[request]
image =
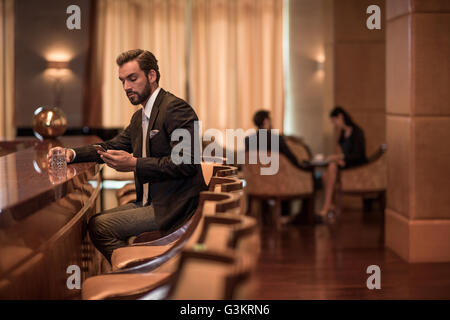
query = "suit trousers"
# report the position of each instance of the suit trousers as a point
(112, 228)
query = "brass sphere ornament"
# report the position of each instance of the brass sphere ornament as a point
(49, 122)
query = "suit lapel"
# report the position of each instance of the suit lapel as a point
(153, 115)
(138, 150)
(155, 108)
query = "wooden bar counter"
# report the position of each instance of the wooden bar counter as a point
(43, 220)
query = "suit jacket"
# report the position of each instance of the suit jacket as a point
(172, 187)
(282, 145)
(353, 147)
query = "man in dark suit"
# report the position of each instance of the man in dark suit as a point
(167, 192)
(262, 121)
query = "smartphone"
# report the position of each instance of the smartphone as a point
(99, 148)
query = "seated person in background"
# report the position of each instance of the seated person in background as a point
(167, 193)
(262, 120)
(350, 151)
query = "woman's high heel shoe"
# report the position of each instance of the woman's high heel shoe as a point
(331, 216)
(320, 217)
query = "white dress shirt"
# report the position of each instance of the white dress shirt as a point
(146, 112)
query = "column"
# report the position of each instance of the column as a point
(418, 129)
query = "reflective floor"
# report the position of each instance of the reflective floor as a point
(330, 262)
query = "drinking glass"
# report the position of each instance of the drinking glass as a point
(58, 160)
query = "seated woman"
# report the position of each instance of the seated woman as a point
(350, 151)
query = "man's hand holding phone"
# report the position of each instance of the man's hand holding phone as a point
(99, 148)
(118, 159)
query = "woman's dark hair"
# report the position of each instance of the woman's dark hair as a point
(347, 119)
(260, 116)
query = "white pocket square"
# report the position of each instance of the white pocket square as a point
(153, 133)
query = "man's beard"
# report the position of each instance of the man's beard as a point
(141, 97)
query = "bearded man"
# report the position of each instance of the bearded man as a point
(167, 191)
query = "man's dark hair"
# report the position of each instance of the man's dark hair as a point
(260, 116)
(347, 119)
(145, 59)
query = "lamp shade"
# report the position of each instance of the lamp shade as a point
(58, 64)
